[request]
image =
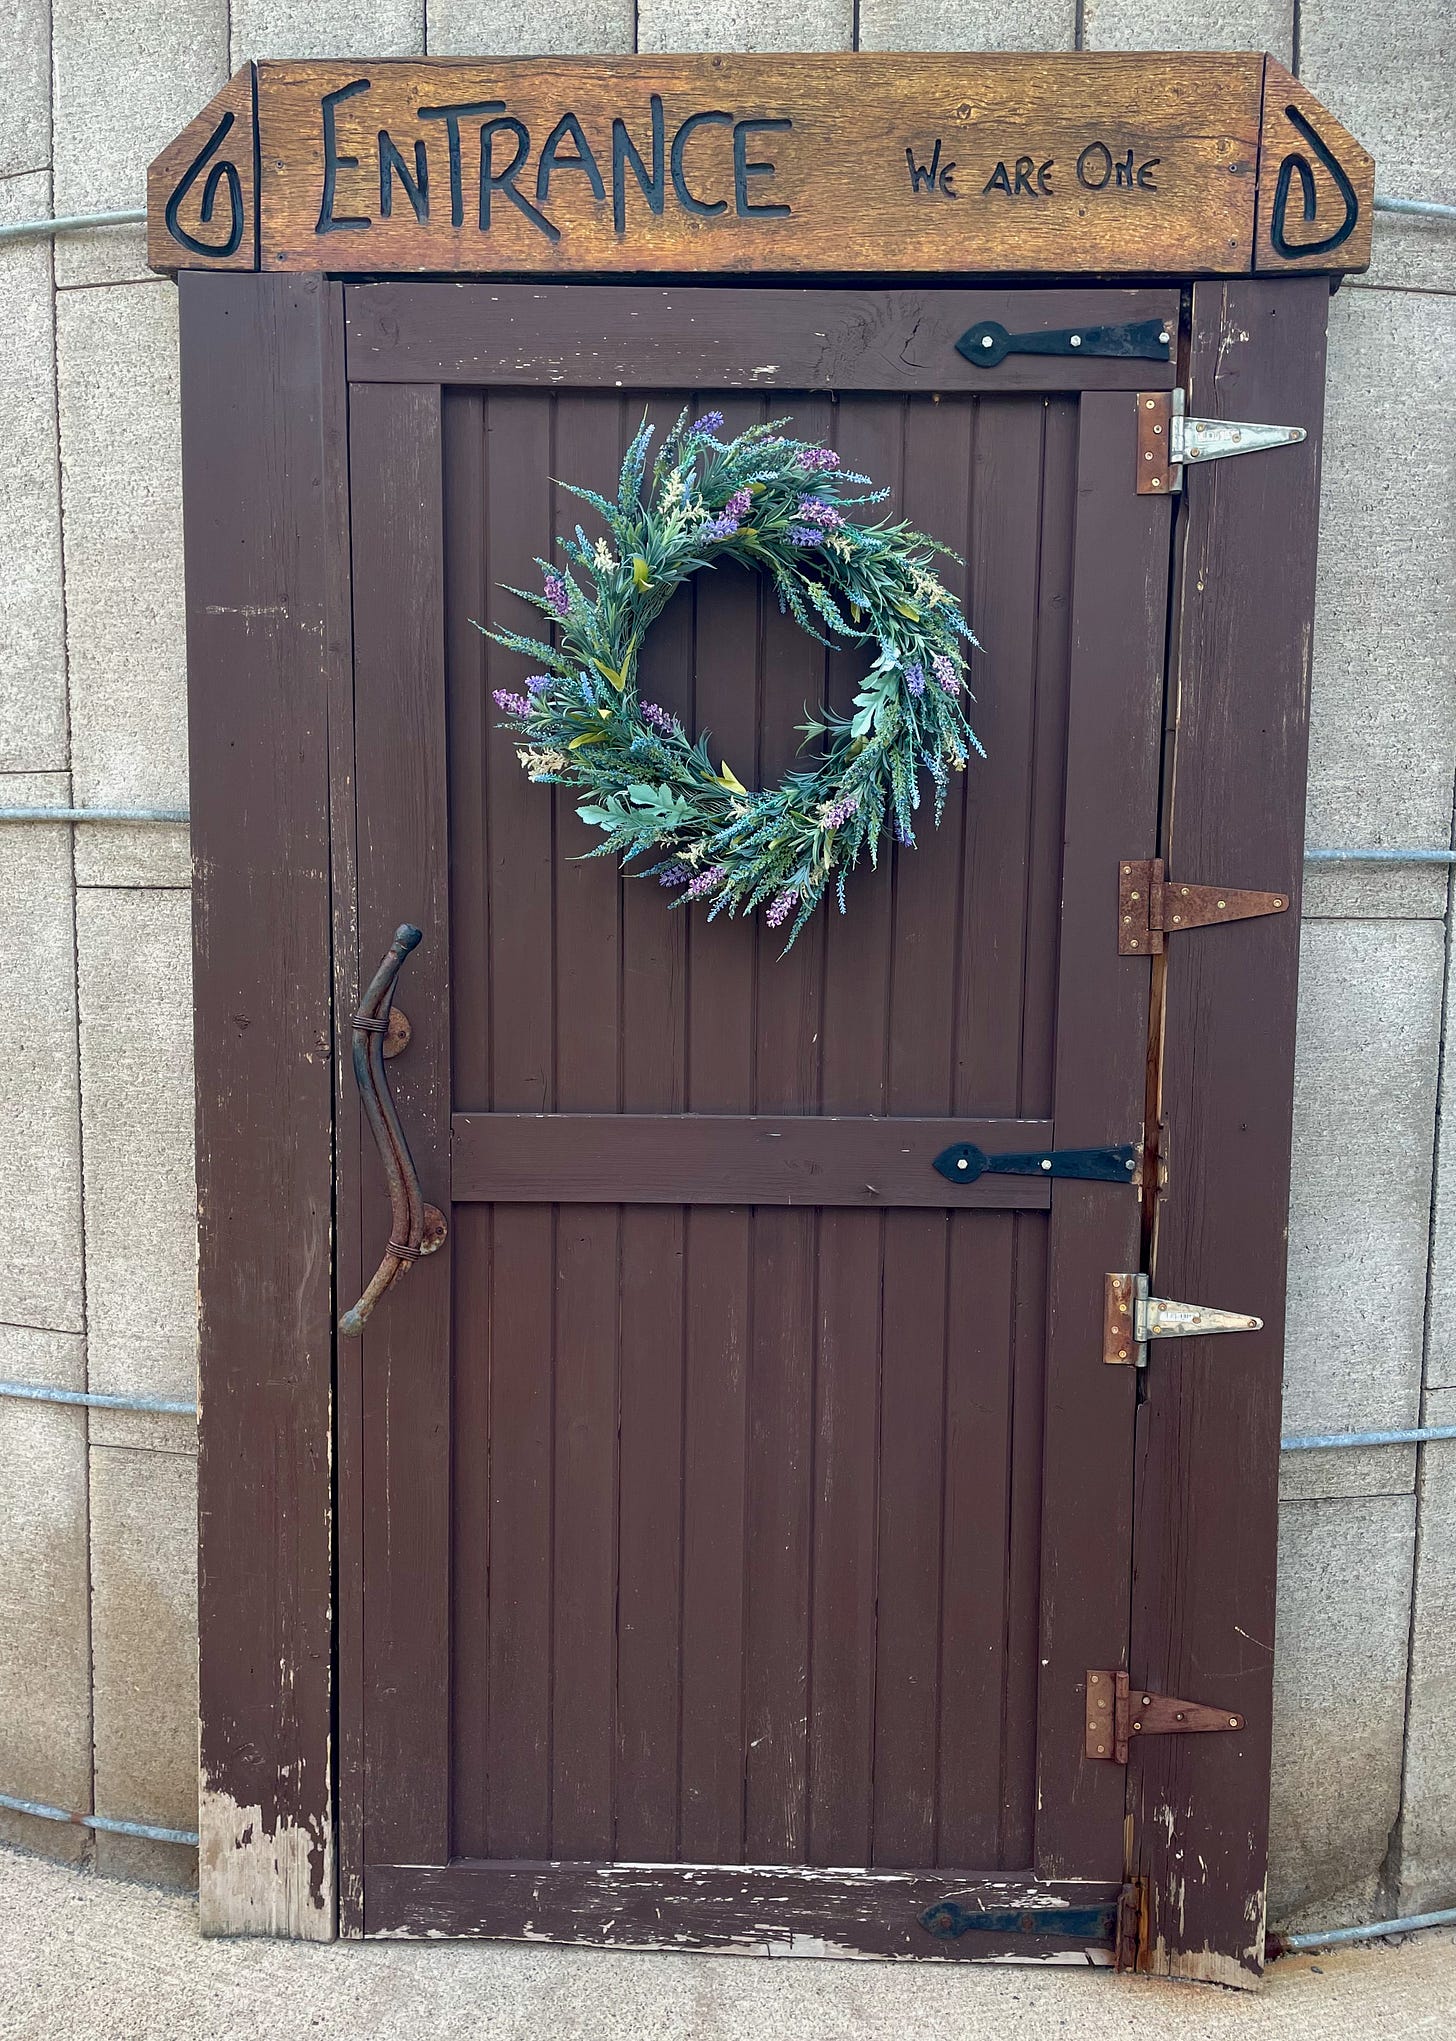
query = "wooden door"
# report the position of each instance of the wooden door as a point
(731, 1511)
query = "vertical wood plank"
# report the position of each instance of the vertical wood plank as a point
(266, 557)
(781, 1384)
(652, 1304)
(467, 708)
(851, 1254)
(587, 934)
(1004, 570)
(396, 480)
(1208, 1432)
(927, 901)
(1119, 627)
(523, 872)
(722, 970)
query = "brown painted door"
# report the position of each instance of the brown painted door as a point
(738, 1502)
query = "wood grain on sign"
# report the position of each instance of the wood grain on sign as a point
(1316, 184)
(1013, 164)
(202, 191)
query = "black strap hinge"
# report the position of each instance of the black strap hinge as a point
(964, 1162)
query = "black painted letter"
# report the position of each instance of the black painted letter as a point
(624, 149)
(452, 117)
(923, 175)
(743, 169)
(334, 162)
(1094, 167)
(504, 181)
(552, 159)
(688, 200)
(416, 187)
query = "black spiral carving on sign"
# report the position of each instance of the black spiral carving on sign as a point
(220, 172)
(1297, 165)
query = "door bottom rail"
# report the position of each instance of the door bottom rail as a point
(769, 1910)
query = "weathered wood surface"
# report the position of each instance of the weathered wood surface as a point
(717, 1159)
(744, 1908)
(1208, 1427)
(621, 336)
(202, 191)
(1022, 164)
(267, 567)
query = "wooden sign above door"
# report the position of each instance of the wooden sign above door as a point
(1156, 165)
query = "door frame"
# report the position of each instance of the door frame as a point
(270, 665)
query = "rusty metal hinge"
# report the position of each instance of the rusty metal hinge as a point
(1130, 1318)
(1151, 907)
(1168, 440)
(1117, 1711)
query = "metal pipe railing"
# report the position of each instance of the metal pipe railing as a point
(70, 223)
(95, 815)
(97, 1399)
(1417, 1435)
(144, 1829)
(1326, 1938)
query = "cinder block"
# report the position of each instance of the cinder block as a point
(144, 1648)
(1364, 1126)
(1441, 1309)
(45, 1671)
(32, 636)
(1392, 80)
(1428, 1815)
(126, 79)
(121, 478)
(25, 65)
(326, 28)
(967, 25)
(1382, 707)
(40, 1272)
(1339, 1706)
(530, 28)
(140, 1184)
(745, 25)
(1201, 25)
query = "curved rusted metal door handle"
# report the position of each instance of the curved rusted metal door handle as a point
(415, 1227)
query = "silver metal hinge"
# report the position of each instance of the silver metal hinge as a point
(1168, 440)
(1131, 1318)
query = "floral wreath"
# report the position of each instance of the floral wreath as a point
(777, 504)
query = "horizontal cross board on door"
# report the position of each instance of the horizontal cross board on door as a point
(713, 1159)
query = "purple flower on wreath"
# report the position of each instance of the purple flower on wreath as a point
(814, 510)
(556, 592)
(839, 812)
(720, 527)
(915, 678)
(781, 907)
(537, 683)
(814, 457)
(738, 505)
(707, 882)
(673, 875)
(656, 717)
(804, 535)
(707, 425)
(903, 834)
(513, 704)
(946, 674)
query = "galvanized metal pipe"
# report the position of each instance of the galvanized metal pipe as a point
(97, 1399)
(1325, 1938)
(94, 815)
(70, 223)
(1426, 208)
(1318, 1442)
(1380, 857)
(144, 1829)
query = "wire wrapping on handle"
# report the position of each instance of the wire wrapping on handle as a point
(415, 1227)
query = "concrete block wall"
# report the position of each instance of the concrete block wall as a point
(97, 1596)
